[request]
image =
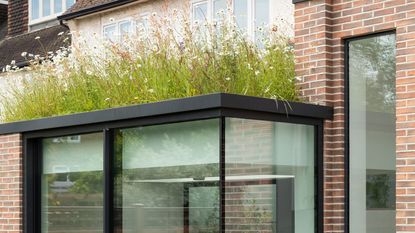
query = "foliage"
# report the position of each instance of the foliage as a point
(159, 62)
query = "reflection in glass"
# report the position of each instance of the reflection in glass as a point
(167, 178)
(269, 174)
(240, 11)
(57, 6)
(219, 8)
(46, 8)
(35, 9)
(72, 184)
(69, 3)
(200, 12)
(109, 32)
(261, 20)
(372, 134)
(125, 29)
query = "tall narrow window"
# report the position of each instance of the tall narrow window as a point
(372, 133)
(72, 184)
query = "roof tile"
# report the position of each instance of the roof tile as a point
(49, 41)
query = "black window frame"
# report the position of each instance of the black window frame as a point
(213, 106)
(346, 99)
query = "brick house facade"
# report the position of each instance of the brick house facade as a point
(18, 17)
(321, 27)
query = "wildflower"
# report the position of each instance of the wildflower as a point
(227, 79)
(257, 72)
(107, 99)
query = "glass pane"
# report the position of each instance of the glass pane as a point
(167, 178)
(261, 19)
(69, 3)
(219, 9)
(109, 32)
(46, 10)
(125, 29)
(72, 184)
(57, 6)
(143, 23)
(35, 9)
(200, 12)
(372, 134)
(270, 179)
(240, 11)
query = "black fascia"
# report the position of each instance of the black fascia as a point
(192, 108)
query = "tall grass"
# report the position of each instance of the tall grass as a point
(173, 58)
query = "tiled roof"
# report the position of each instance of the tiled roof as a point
(49, 41)
(85, 7)
(84, 4)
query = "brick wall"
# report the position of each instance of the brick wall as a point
(11, 183)
(320, 29)
(18, 17)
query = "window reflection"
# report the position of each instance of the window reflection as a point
(72, 184)
(372, 134)
(269, 174)
(167, 178)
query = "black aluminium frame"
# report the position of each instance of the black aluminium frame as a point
(218, 105)
(346, 100)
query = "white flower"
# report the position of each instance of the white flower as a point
(227, 79)
(107, 99)
(256, 72)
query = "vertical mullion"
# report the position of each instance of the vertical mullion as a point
(222, 175)
(319, 150)
(108, 180)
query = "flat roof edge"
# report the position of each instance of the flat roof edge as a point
(174, 106)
